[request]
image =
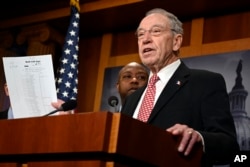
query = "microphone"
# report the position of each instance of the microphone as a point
(69, 105)
(113, 102)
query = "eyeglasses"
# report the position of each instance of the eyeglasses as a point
(139, 77)
(154, 31)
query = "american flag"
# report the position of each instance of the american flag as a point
(67, 73)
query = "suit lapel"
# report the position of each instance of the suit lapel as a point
(176, 82)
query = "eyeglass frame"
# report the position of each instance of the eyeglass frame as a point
(158, 31)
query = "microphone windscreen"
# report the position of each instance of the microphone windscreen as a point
(69, 105)
(113, 101)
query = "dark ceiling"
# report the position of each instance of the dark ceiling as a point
(122, 17)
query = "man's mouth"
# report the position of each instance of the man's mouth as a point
(147, 50)
(133, 89)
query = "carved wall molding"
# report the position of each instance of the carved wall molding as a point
(40, 39)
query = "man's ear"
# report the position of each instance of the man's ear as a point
(177, 42)
(117, 86)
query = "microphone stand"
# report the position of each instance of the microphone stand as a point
(116, 107)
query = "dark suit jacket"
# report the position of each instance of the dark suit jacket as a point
(199, 100)
(4, 114)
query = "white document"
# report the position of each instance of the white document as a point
(31, 85)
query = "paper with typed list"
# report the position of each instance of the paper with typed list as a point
(31, 85)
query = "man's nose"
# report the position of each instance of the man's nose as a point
(147, 38)
(134, 79)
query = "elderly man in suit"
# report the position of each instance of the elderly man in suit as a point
(189, 103)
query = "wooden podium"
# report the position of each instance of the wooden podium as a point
(94, 139)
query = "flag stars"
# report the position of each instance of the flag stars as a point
(72, 33)
(62, 70)
(75, 90)
(65, 61)
(76, 47)
(70, 42)
(59, 80)
(67, 51)
(57, 90)
(70, 75)
(75, 24)
(77, 15)
(75, 56)
(65, 94)
(67, 72)
(72, 65)
(67, 84)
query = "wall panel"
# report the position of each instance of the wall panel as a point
(227, 27)
(88, 72)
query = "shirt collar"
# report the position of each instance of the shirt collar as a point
(165, 73)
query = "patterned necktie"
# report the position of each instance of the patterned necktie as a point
(148, 100)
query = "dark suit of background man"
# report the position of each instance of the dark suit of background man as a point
(190, 103)
(6, 114)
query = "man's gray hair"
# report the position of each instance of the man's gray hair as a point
(175, 23)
